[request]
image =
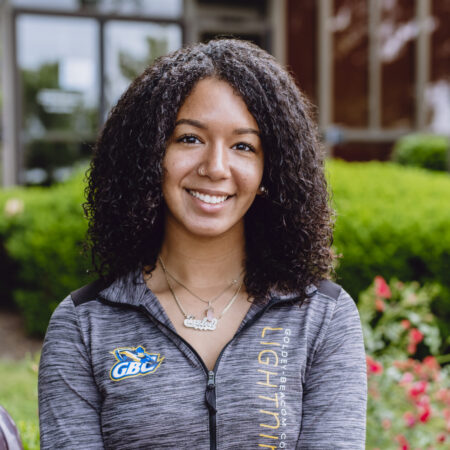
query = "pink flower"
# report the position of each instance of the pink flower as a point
(386, 424)
(406, 324)
(404, 365)
(441, 438)
(409, 419)
(379, 305)
(407, 378)
(446, 414)
(443, 395)
(381, 288)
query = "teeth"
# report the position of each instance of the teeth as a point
(212, 199)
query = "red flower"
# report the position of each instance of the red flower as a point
(414, 337)
(425, 413)
(431, 362)
(381, 288)
(373, 366)
(441, 437)
(412, 348)
(404, 444)
(418, 388)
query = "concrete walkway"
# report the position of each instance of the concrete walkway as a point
(14, 344)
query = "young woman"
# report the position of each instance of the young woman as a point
(212, 324)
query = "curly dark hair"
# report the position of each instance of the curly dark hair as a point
(288, 232)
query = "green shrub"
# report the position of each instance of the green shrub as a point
(422, 150)
(43, 230)
(392, 221)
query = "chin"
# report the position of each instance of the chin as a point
(212, 230)
(207, 232)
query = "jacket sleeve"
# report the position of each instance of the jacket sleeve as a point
(69, 400)
(335, 388)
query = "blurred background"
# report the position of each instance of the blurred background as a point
(378, 72)
(376, 69)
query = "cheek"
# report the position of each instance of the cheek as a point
(251, 176)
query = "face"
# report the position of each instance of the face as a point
(213, 163)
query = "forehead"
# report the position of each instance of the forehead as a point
(215, 100)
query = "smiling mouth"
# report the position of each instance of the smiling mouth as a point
(210, 199)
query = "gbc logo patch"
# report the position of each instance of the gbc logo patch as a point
(134, 361)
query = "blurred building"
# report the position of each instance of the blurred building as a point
(377, 69)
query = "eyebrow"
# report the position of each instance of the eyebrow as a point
(197, 124)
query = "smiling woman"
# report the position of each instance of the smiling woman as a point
(213, 164)
(213, 323)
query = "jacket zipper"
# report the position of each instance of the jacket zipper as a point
(210, 393)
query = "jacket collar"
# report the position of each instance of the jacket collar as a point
(131, 290)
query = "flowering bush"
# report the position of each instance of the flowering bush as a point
(409, 396)
(397, 318)
(409, 405)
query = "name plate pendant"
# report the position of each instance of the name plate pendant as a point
(204, 324)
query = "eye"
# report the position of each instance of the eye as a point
(244, 147)
(189, 139)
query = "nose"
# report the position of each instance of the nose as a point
(215, 164)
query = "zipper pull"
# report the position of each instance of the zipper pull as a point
(211, 380)
(210, 393)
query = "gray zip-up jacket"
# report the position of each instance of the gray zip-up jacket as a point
(115, 374)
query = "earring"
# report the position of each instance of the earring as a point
(201, 171)
(263, 190)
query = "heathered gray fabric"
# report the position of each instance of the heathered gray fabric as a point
(295, 378)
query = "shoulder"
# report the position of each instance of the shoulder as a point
(88, 292)
(332, 309)
(66, 313)
(329, 289)
(332, 296)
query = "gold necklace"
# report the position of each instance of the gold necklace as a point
(209, 302)
(209, 322)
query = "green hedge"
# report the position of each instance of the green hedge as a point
(429, 151)
(42, 230)
(391, 221)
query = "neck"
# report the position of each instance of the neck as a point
(204, 262)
